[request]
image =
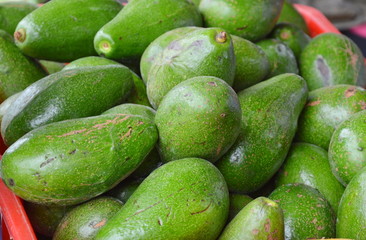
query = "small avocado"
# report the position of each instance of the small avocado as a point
(183, 199)
(307, 214)
(325, 109)
(237, 203)
(347, 148)
(262, 218)
(308, 164)
(289, 14)
(199, 117)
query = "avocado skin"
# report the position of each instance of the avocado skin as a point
(252, 63)
(325, 109)
(183, 199)
(72, 30)
(347, 149)
(65, 95)
(262, 218)
(307, 214)
(140, 22)
(270, 111)
(351, 217)
(51, 67)
(69, 162)
(237, 203)
(16, 70)
(199, 117)
(134, 109)
(308, 164)
(330, 59)
(289, 14)
(248, 19)
(84, 221)
(12, 12)
(124, 189)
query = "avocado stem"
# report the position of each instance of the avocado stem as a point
(105, 47)
(221, 37)
(20, 35)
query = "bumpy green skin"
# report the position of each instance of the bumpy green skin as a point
(281, 57)
(51, 67)
(16, 70)
(65, 95)
(124, 189)
(183, 199)
(84, 221)
(252, 64)
(308, 164)
(72, 161)
(295, 38)
(351, 217)
(12, 12)
(289, 14)
(347, 148)
(45, 219)
(200, 118)
(326, 108)
(261, 219)
(270, 111)
(237, 203)
(139, 23)
(307, 214)
(203, 52)
(248, 19)
(72, 31)
(342, 63)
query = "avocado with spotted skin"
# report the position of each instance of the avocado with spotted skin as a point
(289, 14)
(270, 111)
(84, 221)
(307, 214)
(325, 109)
(237, 203)
(12, 12)
(342, 63)
(261, 219)
(183, 199)
(347, 149)
(92, 156)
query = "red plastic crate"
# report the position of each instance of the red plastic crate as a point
(15, 222)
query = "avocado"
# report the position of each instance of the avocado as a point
(139, 23)
(84, 221)
(307, 214)
(5, 105)
(237, 203)
(65, 95)
(51, 67)
(252, 63)
(281, 58)
(62, 30)
(16, 70)
(72, 161)
(330, 59)
(202, 52)
(351, 217)
(262, 218)
(248, 19)
(325, 109)
(347, 148)
(289, 14)
(270, 111)
(124, 189)
(199, 117)
(134, 109)
(308, 164)
(183, 199)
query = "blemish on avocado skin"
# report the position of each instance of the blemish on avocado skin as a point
(324, 71)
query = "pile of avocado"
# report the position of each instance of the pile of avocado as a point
(181, 119)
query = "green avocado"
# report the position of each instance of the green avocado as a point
(330, 59)
(289, 14)
(270, 111)
(199, 117)
(308, 164)
(16, 70)
(51, 67)
(281, 58)
(326, 108)
(5, 105)
(134, 109)
(65, 95)
(248, 19)
(351, 217)
(252, 63)
(183, 199)
(347, 148)
(237, 203)
(202, 52)
(63, 30)
(71, 161)
(261, 219)
(124, 189)
(141, 22)
(307, 214)
(84, 221)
